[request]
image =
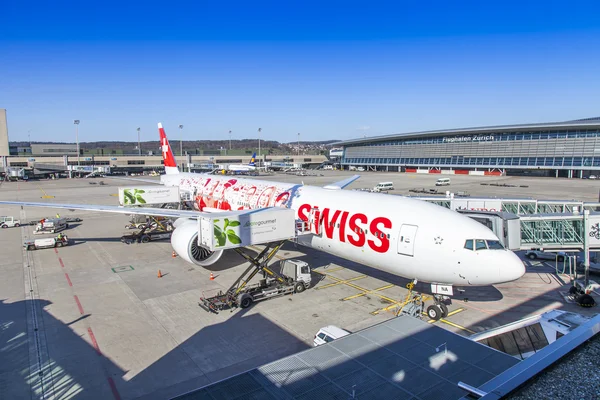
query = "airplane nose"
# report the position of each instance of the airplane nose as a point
(512, 268)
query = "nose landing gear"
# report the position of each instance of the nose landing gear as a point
(415, 303)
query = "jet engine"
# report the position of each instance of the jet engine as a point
(185, 243)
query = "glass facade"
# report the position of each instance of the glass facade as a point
(567, 149)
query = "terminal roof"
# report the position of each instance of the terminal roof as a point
(402, 358)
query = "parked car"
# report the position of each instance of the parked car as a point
(328, 334)
(546, 255)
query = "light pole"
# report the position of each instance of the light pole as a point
(76, 122)
(180, 140)
(259, 130)
(229, 140)
(139, 143)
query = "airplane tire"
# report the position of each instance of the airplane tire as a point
(434, 312)
(444, 309)
(299, 287)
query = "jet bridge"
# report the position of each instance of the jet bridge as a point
(569, 231)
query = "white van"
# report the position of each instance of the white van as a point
(328, 334)
(384, 187)
(442, 182)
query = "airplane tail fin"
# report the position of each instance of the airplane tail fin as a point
(169, 159)
(252, 160)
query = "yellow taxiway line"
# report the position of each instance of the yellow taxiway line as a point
(367, 292)
(340, 282)
(45, 195)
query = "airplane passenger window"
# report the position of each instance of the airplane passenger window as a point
(469, 244)
(494, 245)
(480, 244)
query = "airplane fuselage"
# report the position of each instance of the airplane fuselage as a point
(402, 236)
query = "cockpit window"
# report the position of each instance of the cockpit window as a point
(469, 244)
(494, 245)
(480, 244)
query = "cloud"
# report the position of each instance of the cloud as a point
(363, 128)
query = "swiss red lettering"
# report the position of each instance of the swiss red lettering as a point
(353, 228)
(329, 224)
(303, 211)
(381, 237)
(356, 229)
(343, 226)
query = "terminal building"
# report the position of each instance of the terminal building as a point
(561, 149)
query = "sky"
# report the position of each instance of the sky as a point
(324, 70)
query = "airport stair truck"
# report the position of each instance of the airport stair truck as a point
(46, 243)
(238, 229)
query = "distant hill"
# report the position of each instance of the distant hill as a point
(244, 146)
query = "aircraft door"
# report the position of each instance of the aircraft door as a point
(406, 240)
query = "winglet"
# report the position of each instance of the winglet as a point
(169, 159)
(342, 184)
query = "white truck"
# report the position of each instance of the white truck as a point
(46, 243)
(9, 222)
(294, 278)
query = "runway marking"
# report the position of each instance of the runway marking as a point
(94, 342)
(68, 279)
(45, 195)
(367, 292)
(340, 282)
(113, 388)
(456, 325)
(61, 262)
(78, 304)
(359, 288)
(56, 250)
(114, 194)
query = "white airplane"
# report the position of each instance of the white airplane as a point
(402, 236)
(251, 166)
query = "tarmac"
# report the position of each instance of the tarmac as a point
(93, 320)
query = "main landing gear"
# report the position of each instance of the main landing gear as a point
(415, 303)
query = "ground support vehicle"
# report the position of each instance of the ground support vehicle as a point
(46, 243)
(294, 278)
(147, 234)
(52, 225)
(9, 222)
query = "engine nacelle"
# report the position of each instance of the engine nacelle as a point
(185, 243)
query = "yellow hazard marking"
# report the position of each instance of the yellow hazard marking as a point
(45, 195)
(367, 292)
(456, 325)
(114, 194)
(341, 282)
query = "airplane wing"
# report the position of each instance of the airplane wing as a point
(342, 184)
(156, 212)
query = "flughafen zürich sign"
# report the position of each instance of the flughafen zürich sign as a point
(470, 138)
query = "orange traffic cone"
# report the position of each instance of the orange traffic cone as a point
(174, 254)
(212, 277)
(159, 275)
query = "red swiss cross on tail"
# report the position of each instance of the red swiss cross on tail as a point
(169, 159)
